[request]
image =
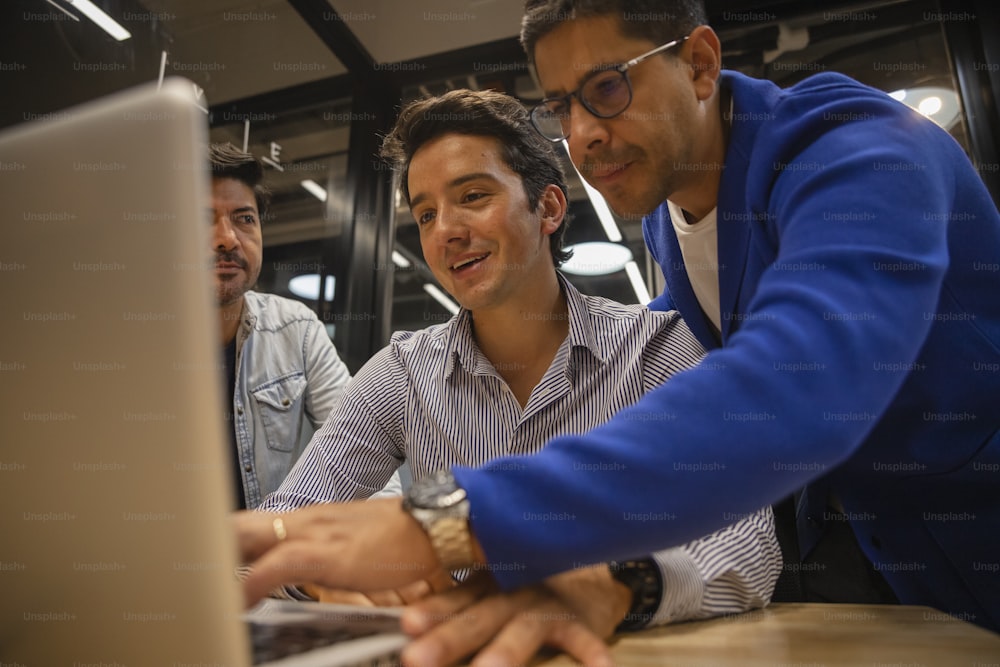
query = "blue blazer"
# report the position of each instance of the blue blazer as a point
(859, 281)
(921, 489)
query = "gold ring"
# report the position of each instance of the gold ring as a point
(279, 529)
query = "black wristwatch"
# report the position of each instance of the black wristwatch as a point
(441, 507)
(643, 578)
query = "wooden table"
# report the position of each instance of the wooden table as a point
(811, 635)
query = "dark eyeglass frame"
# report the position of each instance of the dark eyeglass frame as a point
(543, 106)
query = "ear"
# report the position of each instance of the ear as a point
(552, 208)
(705, 55)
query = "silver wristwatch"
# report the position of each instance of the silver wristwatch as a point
(441, 507)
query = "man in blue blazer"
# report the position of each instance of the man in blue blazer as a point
(838, 255)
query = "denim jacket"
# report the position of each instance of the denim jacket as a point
(288, 379)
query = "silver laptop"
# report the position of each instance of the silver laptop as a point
(114, 478)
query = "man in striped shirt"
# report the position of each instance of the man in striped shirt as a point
(528, 358)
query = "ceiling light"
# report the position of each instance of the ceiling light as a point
(930, 105)
(441, 298)
(400, 260)
(939, 104)
(638, 284)
(600, 206)
(105, 22)
(314, 189)
(597, 258)
(307, 286)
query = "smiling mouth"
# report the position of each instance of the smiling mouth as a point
(607, 172)
(606, 165)
(468, 262)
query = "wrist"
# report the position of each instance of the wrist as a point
(621, 597)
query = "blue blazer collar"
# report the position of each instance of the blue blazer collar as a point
(752, 101)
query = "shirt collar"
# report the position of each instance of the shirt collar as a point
(460, 345)
(248, 320)
(581, 328)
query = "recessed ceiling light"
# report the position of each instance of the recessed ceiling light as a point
(307, 286)
(930, 105)
(939, 104)
(597, 258)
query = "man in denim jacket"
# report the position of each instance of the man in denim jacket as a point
(283, 372)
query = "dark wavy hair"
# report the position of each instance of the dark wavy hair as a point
(482, 113)
(228, 161)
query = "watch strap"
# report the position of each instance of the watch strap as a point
(451, 541)
(440, 507)
(643, 578)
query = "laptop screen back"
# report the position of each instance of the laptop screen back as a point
(114, 485)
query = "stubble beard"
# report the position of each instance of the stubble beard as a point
(228, 292)
(227, 295)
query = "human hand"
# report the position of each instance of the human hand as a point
(438, 582)
(364, 546)
(573, 611)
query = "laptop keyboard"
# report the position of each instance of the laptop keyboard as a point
(274, 641)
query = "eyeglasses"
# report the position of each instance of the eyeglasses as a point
(605, 93)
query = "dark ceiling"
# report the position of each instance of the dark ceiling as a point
(294, 68)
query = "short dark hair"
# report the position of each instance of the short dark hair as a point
(658, 21)
(483, 113)
(228, 161)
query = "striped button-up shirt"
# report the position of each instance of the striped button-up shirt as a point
(432, 398)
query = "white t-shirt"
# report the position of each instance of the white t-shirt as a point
(699, 245)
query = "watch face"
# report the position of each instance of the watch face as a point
(438, 491)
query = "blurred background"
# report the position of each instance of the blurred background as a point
(311, 85)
